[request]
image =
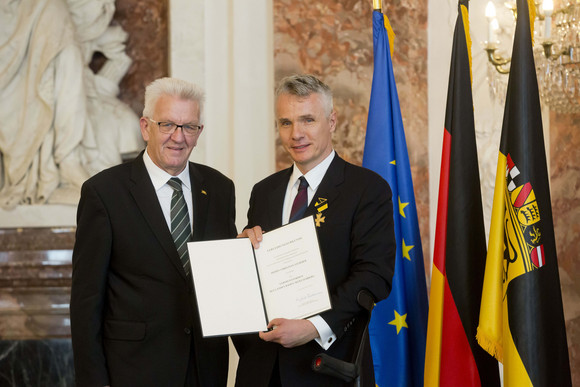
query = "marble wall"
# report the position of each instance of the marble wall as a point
(146, 22)
(333, 40)
(565, 191)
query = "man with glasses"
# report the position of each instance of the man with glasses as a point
(134, 318)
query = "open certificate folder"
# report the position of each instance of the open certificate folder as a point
(240, 289)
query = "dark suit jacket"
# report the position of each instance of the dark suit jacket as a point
(133, 311)
(357, 243)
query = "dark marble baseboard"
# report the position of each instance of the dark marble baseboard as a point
(36, 363)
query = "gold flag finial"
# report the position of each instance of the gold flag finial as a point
(377, 5)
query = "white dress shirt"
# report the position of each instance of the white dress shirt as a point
(159, 178)
(313, 177)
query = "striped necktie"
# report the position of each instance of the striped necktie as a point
(300, 201)
(180, 227)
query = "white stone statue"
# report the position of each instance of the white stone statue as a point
(115, 125)
(60, 123)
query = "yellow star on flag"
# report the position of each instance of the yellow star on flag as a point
(394, 162)
(399, 321)
(402, 208)
(406, 250)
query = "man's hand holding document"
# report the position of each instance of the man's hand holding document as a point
(240, 289)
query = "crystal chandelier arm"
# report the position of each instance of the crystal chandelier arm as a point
(553, 56)
(497, 60)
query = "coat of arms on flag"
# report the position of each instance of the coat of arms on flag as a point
(523, 237)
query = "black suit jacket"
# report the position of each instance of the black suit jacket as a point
(357, 243)
(133, 312)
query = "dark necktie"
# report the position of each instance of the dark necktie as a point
(300, 201)
(180, 227)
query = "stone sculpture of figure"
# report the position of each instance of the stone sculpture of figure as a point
(115, 125)
(61, 122)
(45, 137)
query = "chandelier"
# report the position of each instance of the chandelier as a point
(556, 53)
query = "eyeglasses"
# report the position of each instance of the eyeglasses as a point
(170, 127)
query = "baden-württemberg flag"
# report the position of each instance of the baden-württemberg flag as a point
(453, 357)
(398, 325)
(521, 320)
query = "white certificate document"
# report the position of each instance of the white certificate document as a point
(240, 289)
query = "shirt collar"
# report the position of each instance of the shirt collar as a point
(159, 177)
(315, 175)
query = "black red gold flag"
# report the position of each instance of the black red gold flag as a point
(453, 357)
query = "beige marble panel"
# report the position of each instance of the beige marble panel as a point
(334, 41)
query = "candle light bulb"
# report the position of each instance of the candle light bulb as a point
(490, 15)
(492, 28)
(490, 10)
(547, 7)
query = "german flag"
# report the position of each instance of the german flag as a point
(453, 357)
(522, 321)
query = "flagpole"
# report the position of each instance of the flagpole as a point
(377, 5)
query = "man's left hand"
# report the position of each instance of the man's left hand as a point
(254, 234)
(290, 333)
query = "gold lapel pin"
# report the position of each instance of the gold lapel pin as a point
(319, 219)
(321, 204)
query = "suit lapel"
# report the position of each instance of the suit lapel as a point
(276, 199)
(148, 203)
(200, 202)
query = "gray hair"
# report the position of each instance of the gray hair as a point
(303, 85)
(172, 87)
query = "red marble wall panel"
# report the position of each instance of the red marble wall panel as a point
(565, 192)
(146, 22)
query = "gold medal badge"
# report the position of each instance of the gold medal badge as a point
(321, 204)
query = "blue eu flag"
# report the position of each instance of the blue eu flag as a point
(399, 324)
